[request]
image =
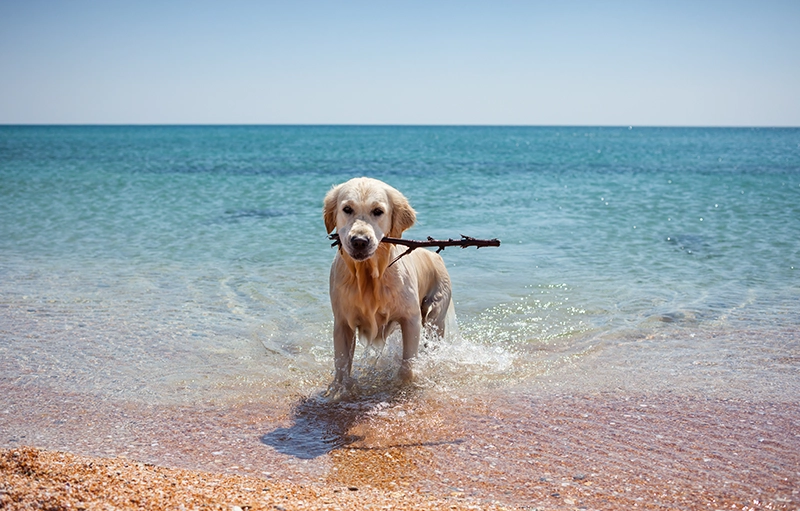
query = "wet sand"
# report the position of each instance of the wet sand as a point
(410, 450)
(34, 479)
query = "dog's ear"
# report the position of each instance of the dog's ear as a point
(403, 215)
(329, 207)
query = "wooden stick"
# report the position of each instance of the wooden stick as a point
(464, 242)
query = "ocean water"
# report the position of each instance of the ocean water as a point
(189, 264)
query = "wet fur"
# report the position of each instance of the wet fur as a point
(370, 297)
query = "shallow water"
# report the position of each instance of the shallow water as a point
(185, 268)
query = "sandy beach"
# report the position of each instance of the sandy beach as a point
(495, 450)
(34, 479)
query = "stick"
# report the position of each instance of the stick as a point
(464, 242)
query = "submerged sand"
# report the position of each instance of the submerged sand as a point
(497, 449)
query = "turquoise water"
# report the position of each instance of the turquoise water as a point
(189, 264)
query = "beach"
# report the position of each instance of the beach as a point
(490, 451)
(35, 479)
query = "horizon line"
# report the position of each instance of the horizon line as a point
(405, 125)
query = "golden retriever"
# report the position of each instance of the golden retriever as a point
(370, 296)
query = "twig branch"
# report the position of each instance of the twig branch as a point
(464, 242)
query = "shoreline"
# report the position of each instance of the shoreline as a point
(498, 449)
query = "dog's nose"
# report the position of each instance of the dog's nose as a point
(359, 242)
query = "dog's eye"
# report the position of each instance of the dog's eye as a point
(377, 211)
(347, 210)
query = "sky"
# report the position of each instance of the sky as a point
(641, 63)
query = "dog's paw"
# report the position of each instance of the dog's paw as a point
(339, 391)
(335, 393)
(406, 373)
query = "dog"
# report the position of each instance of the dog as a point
(371, 291)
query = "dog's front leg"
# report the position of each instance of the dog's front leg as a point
(412, 329)
(344, 343)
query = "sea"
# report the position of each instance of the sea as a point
(187, 266)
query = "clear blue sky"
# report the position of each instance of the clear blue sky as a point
(637, 62)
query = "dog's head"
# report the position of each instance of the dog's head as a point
(364, 210)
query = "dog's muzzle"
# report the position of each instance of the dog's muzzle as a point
(360, 247)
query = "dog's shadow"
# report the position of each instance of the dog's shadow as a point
(321, 425)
